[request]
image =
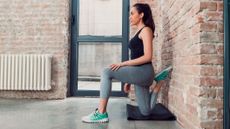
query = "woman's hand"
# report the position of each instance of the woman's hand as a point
(127, 87)
(115, 67)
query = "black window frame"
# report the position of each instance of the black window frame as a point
(226, 65)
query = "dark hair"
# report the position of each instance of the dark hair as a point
(148, 18)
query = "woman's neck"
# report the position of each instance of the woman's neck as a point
(140, 25)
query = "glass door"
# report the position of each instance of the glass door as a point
(99, 38)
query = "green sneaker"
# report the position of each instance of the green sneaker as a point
(163, 74)
(96, 117)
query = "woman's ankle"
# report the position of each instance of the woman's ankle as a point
(156, 89)
(101, 111)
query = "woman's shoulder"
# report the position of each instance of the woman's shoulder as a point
(146, 31)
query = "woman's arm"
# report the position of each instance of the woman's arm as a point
(147, 36)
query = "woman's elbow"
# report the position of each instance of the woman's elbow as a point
(148, 58)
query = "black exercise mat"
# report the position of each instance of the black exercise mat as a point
(160, 112)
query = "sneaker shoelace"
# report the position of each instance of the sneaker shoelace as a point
(95, 114)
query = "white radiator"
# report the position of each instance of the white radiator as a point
(25, 72)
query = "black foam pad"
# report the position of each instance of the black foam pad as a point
(160, 112)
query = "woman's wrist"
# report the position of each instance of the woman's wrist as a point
(125, 63)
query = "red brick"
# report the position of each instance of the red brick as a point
(221, 37)
(215, 16)
(211, 103)
(220, 114)
(220, 49)
(211, 6)
(211, 60)
(211, 82)
(220, 6)
(207, 92)
(212, 114)
(209, 71)
(208, 27)
(218, 124)
(199, 18)
(220, 71)
(211, 37)
(220, 93)
(220, 27)
(208, 49)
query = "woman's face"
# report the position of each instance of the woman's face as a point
(135, 17)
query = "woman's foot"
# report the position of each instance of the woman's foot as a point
(127, 88)
(163, 74)
(96, 117)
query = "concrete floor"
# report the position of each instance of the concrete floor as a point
(95, 85)
(66, 114)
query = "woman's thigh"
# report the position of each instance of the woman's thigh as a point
(140, 75)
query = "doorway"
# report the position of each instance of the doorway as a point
(99, 38)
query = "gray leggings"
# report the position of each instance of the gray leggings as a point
(141, 76)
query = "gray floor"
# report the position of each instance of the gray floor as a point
(66, 114)
(95, 85)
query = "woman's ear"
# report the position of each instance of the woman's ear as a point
(142, 15)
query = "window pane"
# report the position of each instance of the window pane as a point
(93, 58)
(100, 17)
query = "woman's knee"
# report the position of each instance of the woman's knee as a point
(145, 112)
(106, 72)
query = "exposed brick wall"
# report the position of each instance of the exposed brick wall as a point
(37, 26)
(176, 45)
(190, 38)
(211, 72)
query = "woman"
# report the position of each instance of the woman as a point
(138, 71)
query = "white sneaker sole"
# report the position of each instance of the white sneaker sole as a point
(105, 120)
